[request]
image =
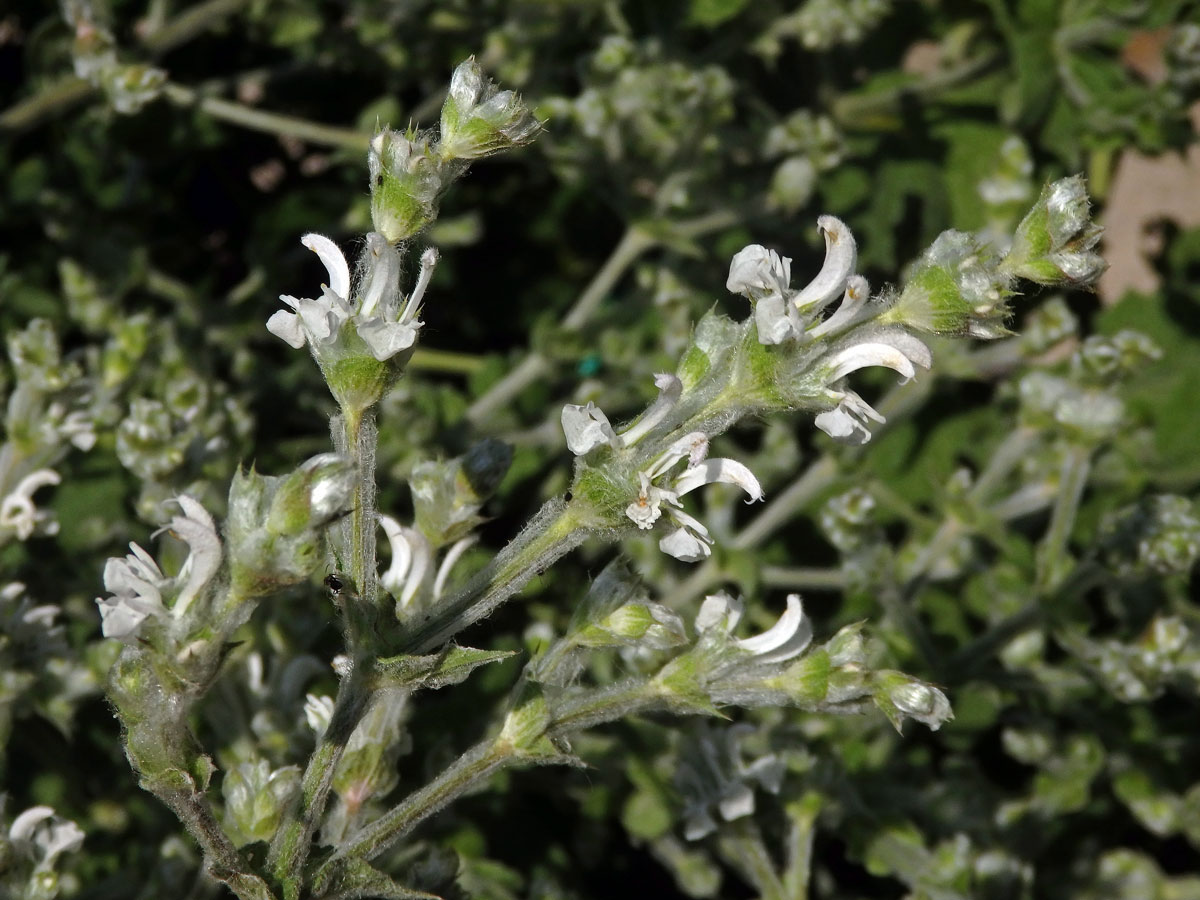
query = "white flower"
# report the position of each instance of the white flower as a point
(763, 277)
(138, 584)
(858, 290)
(670, 389)
(385, 323)
(892, 348)
(318, 712)
(43, 836)
(786, 639)
(841, 256)
(412, 561)
(18, 512)
(756, 272)
(689, 541)
(587, 427)
(847, 422)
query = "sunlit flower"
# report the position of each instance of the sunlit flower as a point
(386, 322)
(891, 348)
(763, 277)
(138, 584)
(787, 638)
(689, 541)
(587, 427)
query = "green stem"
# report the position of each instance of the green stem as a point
(633, 243)
(293, 841)
(802, 818)
(852, 111)
(426, 359)
(557, 529)
(583, 710)
(63, 94)
(803, 578)
(271, 123)
(1052, 555)
(474, 766)
(221, 857)
(354, 434)
(742, 846)
(189, 24)
(45, 104)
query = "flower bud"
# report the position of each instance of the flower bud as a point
(955, 288)
(1055, 242)
(447, 496)
(407, 179)
(255, 799)
(276, 524)
(479, 120)
(901, 697)
(649, 625)
(316, 493)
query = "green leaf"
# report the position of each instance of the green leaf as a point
(710, 13)
(436, 670)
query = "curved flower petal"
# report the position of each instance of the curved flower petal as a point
(383, 276)
(729, 471)
(196, 528)
(411, 560)
(402, 553)
(334, 261)
(24, 825)
(452, 556)
(869, 354)
(428, 263)
(17, 511)
(858, 289)
(841, 255)
(786, 638)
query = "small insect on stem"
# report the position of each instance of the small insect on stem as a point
(340, 587)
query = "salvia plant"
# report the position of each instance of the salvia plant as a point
(816, 549)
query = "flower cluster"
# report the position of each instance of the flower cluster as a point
(375, 311)
(587, 428)
(138, 584)
(794, 319)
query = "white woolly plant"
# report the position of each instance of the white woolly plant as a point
(796, 350)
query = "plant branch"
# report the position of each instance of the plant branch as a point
(271, 123)
(67, 92)
(555, 530)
